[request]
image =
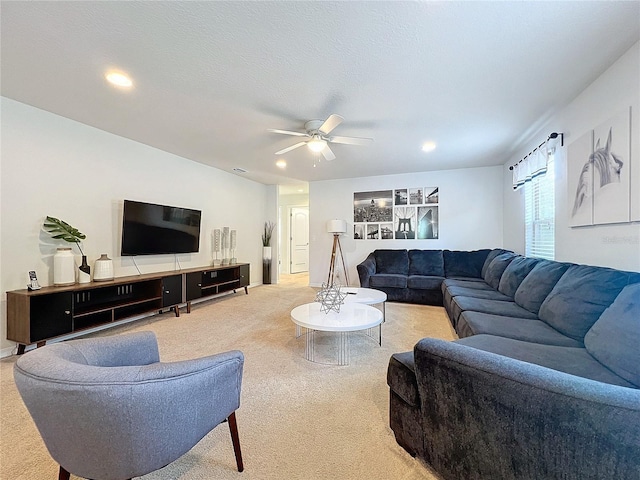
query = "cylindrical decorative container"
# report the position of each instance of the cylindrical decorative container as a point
(266, 265)
(84, 271)
(217, 245)
(64, 267)
(233, 243)
(225, 245)
(103, 269)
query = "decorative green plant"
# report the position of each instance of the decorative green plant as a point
(61, 230)
(268, 232)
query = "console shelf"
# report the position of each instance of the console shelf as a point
(39, 315)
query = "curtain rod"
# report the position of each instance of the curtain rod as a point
(550, 137)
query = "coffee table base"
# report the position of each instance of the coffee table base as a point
(344, 343)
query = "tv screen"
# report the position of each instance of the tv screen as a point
(150, 229)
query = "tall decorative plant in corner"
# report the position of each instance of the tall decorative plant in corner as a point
(266, 252)
(63, 274)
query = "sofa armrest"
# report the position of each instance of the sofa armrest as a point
(366, 269)
(489, 416)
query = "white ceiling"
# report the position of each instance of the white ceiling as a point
(212, 77)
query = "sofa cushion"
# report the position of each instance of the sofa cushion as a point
(389, 281)
(426, 262)
(468, 282)
(464, 264)
(401, 377)
(424, 282)
(461, 304)
(572, 360)
(496, 268)
(527, 330)
(614, 340)
(580, 297)
(392, 261)
(477, 293)
(492, 254)
(536, 286)
(515, 273)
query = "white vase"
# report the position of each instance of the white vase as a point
(103, 269)
(64, 267)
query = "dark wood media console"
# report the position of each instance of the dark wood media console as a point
(39, 315)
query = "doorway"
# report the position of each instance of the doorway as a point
(299, 240)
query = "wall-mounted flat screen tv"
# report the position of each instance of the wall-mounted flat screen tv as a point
(150, 229)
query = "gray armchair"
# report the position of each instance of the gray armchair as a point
(108, 409)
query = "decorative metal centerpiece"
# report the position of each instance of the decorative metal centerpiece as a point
(330, 298)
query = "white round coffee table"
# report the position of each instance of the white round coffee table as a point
(368, 296)
(352, 317)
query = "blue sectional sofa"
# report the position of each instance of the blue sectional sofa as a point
(415, 276)
(544, 382)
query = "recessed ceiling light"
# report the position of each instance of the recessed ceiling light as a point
(300, 190)
(281, 164)
(119, 79)
(428, 146)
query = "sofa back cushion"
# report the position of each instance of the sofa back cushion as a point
(492, 254)
(464, 264)
(614, 340)
(498, 265)
(538, 284)
(392, 261)
(580, 297)
(426, 262)
(515, 273)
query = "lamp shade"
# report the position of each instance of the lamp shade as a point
(337, 226)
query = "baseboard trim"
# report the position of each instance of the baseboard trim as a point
(8, 351)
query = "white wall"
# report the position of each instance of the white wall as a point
(616, 246)
(54, 166)
(470, 215)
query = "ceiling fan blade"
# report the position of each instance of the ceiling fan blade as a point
(330, 123)
(351, 140)
(288, 149)
(287, 132)
(327, 153)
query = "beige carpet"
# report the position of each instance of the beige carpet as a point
(297, 419)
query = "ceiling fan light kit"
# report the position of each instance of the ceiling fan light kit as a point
(316, 144)
(318, 133)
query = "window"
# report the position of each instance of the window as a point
(539, 214)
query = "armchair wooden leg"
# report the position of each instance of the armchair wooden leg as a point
(63, 474)
(233, 427)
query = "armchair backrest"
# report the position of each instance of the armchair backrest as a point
(107, 409)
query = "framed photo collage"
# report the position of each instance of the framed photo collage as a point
(401, 214)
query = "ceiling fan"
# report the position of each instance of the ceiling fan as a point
(318, 133)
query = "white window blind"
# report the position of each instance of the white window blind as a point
(539, 214)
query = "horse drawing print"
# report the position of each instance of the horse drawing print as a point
(606, 163)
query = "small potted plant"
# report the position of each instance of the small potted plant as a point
(63, 263)
(266, 251)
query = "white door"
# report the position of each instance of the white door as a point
(299, 249)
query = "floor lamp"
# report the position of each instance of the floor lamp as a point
(336, 227)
